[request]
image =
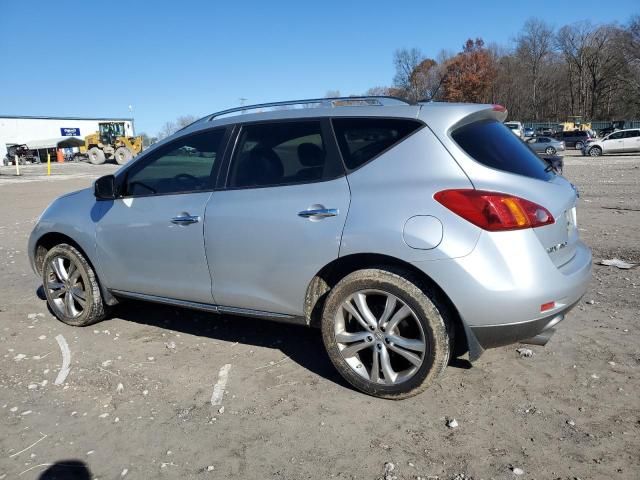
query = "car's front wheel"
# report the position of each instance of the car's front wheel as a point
(550, 151)
(71, 287)
(595, 151)
(384, 334)
(579, 145)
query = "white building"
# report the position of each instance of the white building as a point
(45, 133)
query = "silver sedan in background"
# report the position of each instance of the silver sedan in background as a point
(547, 145)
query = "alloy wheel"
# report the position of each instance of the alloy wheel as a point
(66, 287)
(380, 337)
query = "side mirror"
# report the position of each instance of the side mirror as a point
(104, 188)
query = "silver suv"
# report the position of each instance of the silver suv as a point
(620, 141)
(408, 233)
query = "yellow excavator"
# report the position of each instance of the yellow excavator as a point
(575, 123)
(110, 143)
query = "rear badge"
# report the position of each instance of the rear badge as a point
(557, 247)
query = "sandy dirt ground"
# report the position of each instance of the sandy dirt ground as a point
(136, 402)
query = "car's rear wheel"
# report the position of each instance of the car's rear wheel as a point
(384, 334)
(579, 145)
(595, 151)
(550, 151)
(71, 287)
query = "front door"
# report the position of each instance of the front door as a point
(614, 143)
(151, 239)
(280, 218)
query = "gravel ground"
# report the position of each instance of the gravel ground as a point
(136, 402)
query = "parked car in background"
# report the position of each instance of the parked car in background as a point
(546, 131)
(516, 127)
(622, 141)
(529, 132)
(576, 139)
(400, 230)
(547, 145)
(614, 126)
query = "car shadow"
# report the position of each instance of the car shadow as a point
(301, 344)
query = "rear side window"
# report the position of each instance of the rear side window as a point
(362, 139)
(490, 143)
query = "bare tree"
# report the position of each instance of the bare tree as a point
(534, 47)
(406, 61)
(185, 120)
(167, 129)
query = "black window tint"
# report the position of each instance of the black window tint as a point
(616, 136)
(631, 133)
(184, 165)
(361, 139)
(492, 144)
(281, 153)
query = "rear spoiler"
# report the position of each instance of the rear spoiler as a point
(490, 112)
(444, 117)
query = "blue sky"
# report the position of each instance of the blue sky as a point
(171, 58)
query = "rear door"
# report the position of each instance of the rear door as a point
(279, 218)
(632, 141)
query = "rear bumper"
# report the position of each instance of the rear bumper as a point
(499, 289)
(537, 331)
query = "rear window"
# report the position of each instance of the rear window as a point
(489, 142)
(362, 139)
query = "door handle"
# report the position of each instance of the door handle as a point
(319, 213)
(185, 219)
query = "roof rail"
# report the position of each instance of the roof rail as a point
(324, 102)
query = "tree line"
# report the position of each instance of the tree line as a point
(586, 70)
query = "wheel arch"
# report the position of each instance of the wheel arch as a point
(49, 240)
(332, 273)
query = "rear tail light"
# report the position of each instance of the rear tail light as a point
(494, 211)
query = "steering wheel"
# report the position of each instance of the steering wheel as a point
(140, 184)
(187, 179)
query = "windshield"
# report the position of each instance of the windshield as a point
(490, 143)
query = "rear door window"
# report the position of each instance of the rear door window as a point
(362, 139)
(490, 143)
(282, 153)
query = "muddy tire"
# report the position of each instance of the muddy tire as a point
(96, 156)
(71, 287)
(122, 155)
(385, 333)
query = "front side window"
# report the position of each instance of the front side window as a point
(362, 139)
(184, 165)
(281, 153)
(616, 136)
